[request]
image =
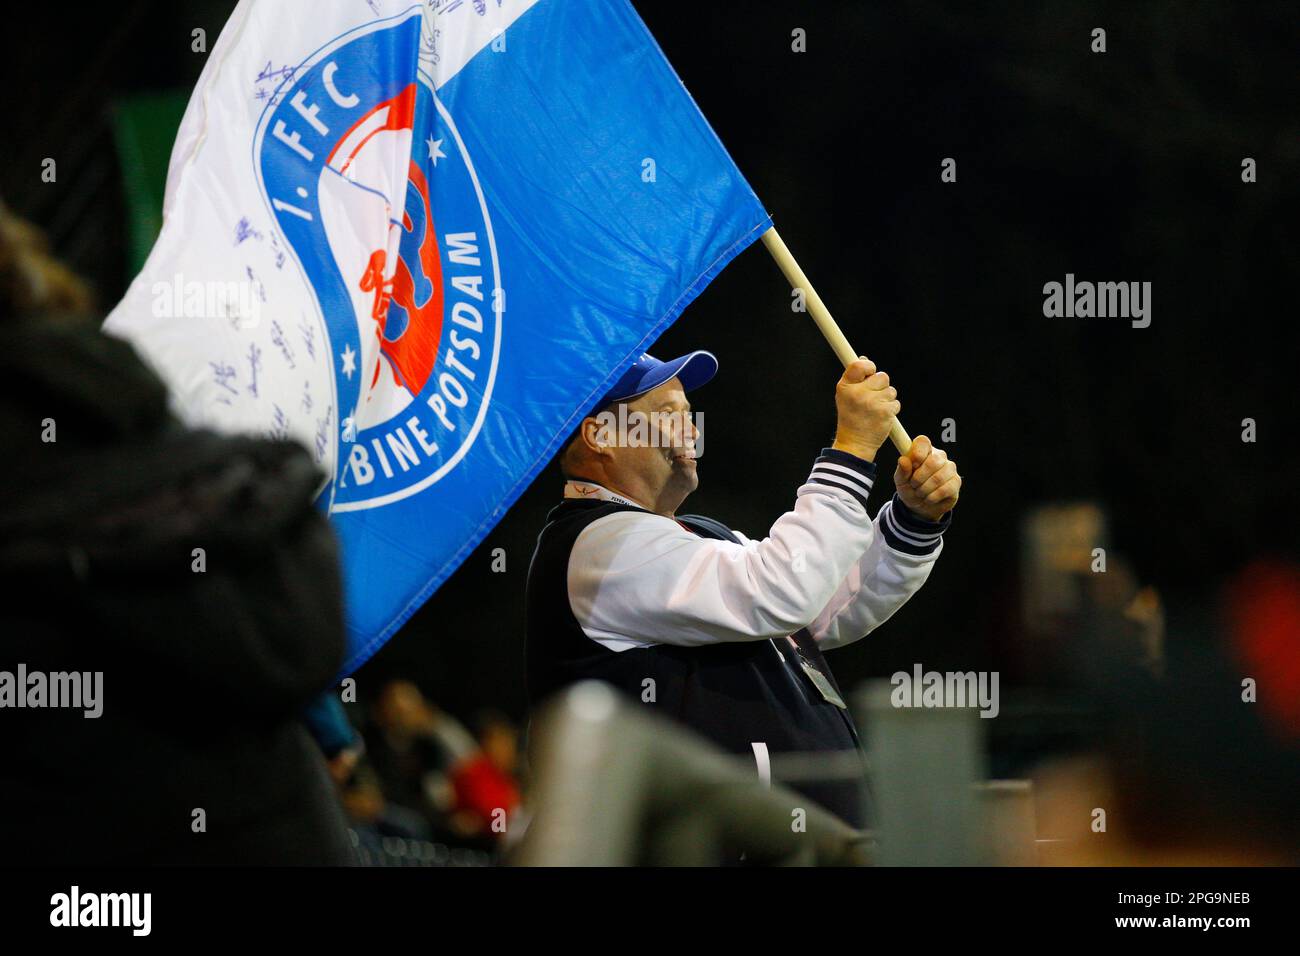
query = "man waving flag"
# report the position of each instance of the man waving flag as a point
(422, 239)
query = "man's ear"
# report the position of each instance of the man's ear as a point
(592, 433)
(575, 447)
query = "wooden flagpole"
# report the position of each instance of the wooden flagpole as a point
(822, 316)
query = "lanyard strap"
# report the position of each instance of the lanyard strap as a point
(579, 488)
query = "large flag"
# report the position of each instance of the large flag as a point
(422, 239)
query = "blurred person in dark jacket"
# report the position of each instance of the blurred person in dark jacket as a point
(184, 575)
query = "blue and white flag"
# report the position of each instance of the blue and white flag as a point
(422, 239)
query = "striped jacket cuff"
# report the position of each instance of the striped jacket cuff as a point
(847, 472)
(908, 533)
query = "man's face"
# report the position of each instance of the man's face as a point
(657, 449)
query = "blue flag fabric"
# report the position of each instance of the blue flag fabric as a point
(487, 211)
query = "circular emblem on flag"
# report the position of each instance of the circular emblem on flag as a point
(371, 183)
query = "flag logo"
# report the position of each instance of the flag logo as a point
(414, 326)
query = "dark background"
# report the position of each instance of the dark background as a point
(1122, 166)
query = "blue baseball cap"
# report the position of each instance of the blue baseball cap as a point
(647, 372)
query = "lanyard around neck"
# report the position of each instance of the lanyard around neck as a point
(578, 488)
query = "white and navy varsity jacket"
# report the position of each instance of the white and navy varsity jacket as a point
(729, 629)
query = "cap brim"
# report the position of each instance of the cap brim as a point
(694, 369)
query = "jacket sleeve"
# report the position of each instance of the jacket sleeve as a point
(637, 578)
(899, 559)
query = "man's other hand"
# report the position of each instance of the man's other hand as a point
(927, 480)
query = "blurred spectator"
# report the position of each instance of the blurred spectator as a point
(1071, 581)
(1263, 617)
(499, 738)
(31, 280)
(372, 816)
(427, 759)
(1201, 767)
(486, 796)
(190, 569)
(400, 747)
